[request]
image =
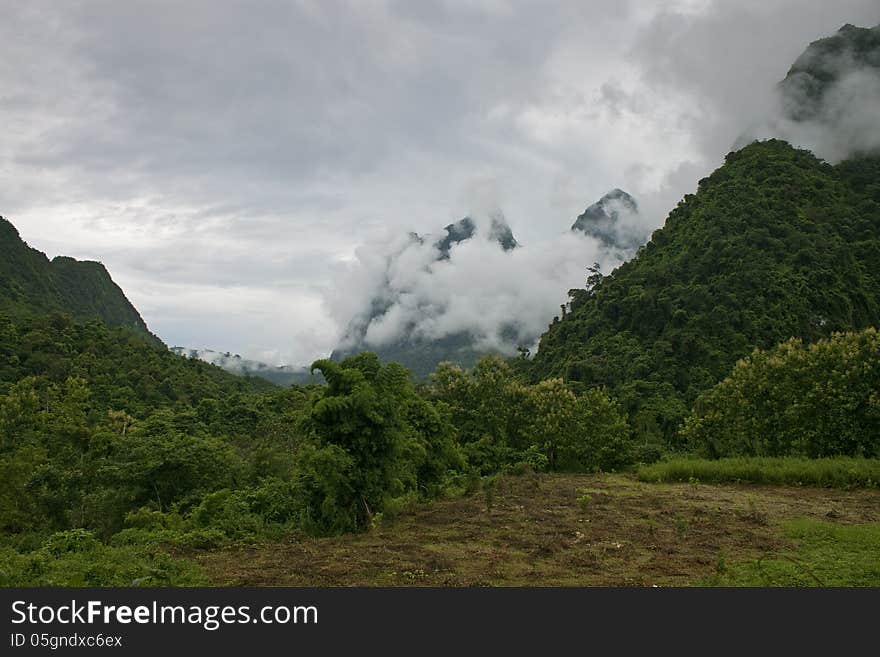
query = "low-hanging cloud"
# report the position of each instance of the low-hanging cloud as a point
(722, 69)
(403, 289)
(846, 121)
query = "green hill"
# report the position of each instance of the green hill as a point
(31, 283)
(67, 318)
(775, 244)
(123, 371)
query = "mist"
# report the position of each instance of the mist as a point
(503, 299)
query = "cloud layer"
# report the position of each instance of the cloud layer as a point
(226, 164)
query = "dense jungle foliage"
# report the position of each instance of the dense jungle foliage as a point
(114, 450)
(198, 471)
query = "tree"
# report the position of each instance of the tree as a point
(807, 400)
(371, 438)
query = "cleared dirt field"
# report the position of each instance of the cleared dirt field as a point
(552, 530)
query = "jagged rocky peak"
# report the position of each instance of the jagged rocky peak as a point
(460, 231)
(602, 220)
(465, 229)
(824, 63)
(501, 233)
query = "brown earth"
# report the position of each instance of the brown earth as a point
(535, 532)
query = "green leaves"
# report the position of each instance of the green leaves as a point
(370, 438)
(804, 400)
(502, 421)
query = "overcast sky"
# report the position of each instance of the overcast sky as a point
(226, 159)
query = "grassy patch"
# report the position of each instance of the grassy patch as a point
(827, 555)
(838, 472)
(77, 558)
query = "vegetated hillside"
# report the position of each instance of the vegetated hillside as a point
(31, 283)
(775, 244)
(421, 355)
(67, 318)
(122, 370)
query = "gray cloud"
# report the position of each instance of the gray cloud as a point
(721, 67)
(225, 162)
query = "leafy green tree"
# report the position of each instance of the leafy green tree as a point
(167, 459)
(372, 438)
(812, 400)
(501, 420)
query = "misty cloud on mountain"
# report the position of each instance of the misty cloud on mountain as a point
(828, 101)
(614, 220)
(475, 289)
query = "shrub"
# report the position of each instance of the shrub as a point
(502, 421)
(815, 400)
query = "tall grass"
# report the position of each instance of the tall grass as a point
(836, 472)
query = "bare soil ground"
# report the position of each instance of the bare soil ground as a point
(535, 532)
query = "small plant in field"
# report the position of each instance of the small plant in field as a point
(682, 527)
(472, 484)
(489, 486)
(584, 501)
(519, 469)
(414, 575)
(535, 480)
(754, 513)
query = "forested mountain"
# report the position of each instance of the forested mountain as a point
(775, 244)
(30, 282)
(66, 318)
(420, 355)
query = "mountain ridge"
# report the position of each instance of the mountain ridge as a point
(30, 281)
